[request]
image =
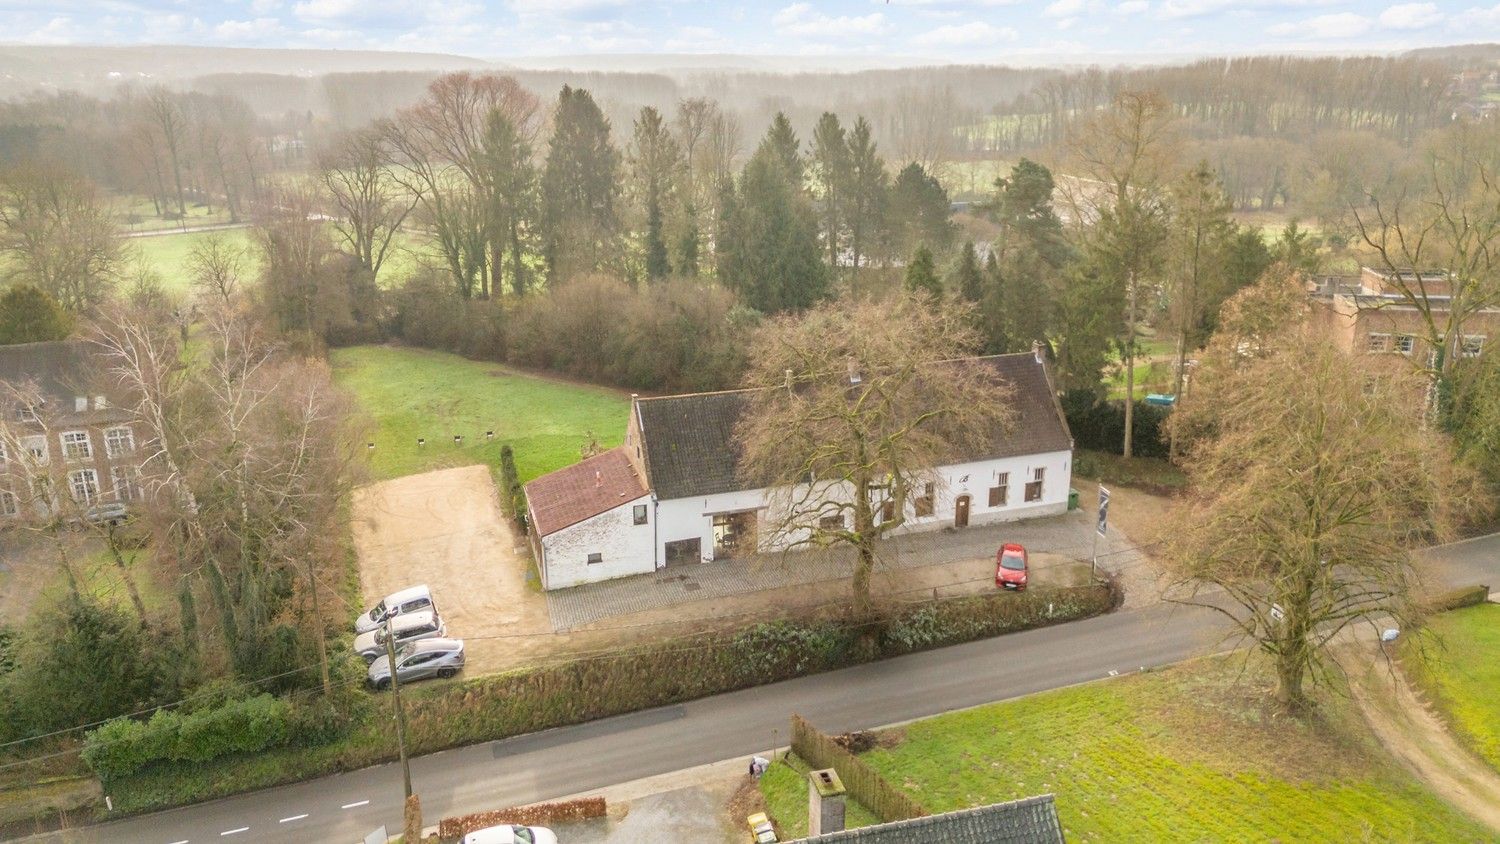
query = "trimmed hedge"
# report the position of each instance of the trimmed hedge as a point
(512, 494)
(1459, 598)
(537, 814)
(123, 746)
(863, 783)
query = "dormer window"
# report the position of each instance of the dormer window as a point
(80, 403)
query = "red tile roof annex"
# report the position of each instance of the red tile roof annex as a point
(582, 491)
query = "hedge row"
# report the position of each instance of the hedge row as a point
(537, 814)
(862, 782)
(512, 494)
(1459, 598)
(125, 745)
(668, 672)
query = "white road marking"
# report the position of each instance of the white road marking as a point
(183, 841)
(293, 818)
(355, 805)
(233, 831)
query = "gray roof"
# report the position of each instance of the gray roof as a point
(1029, 821)
(690, 448)
(62, 370)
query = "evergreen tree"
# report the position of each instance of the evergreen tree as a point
(867, 193)
(687, 243)
(724, 239)
(919, 210)
(830, 161)
(1297, 248)
(29, 315)
(921, 273)
(657, 163)
(579, 184)
(968, 279)
(1030, 254)
(769, 250)
(782, 145)
(511, 181)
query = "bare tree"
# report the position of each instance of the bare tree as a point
(1312, 488)
(217, 266)
(170, 125)
(853, 405)
(1437, 242)
(58, 235)
(372, 205)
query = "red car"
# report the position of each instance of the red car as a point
(1010, 567)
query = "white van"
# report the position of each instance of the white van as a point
(410, 599)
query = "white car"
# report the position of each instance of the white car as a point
(407, 627)
(511, 834)
(410, 599)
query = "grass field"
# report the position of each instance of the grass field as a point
(1183, 754)
(784, 786)
(136, 213)
(168, 255)
(1462, 675)
(411, 393)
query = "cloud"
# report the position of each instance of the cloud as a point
(1063, 8)
(1132, 7)
(952, 3)
(1340, 25)
(249, 30)
(801, 19)
(563, 8)
(1170, 9)
(264, 7)
(966, 35)
(1477, 17)
(1410, 16)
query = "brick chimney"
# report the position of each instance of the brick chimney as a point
(825, 803)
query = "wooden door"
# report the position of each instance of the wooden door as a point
(961, 511)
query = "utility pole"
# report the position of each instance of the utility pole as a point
(312, 583)
(390, 652)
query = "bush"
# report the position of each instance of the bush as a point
(563, 811)
(125, 745)
(512, 494)
(1459, 598)
(1100, 425)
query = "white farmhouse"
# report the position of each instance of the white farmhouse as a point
(671, 496)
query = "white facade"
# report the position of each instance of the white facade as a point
(618, 546)
(1008, 478)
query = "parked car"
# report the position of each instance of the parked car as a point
(410, 599)
(407, 627)
(1011, 567)
(511, 834)
(419, 660)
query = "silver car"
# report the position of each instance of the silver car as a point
(419, 660)
(407, 627)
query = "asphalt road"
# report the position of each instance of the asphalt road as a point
(346, 807)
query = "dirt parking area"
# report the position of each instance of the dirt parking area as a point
(445, 529)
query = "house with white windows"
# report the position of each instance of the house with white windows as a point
(66, 447)
(672, 496)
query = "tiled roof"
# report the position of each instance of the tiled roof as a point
(583, 490)
(690, 448)
(1029, 821)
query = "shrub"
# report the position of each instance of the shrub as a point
(125, 745)
(1100, 425)
(1460, 598)
(512, 494)
(563, 811)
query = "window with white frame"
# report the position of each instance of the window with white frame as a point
(1472, 346)
(1405, 344)
(85, 485)
(923, 505)
(595, 559)
(1034, 486)
(638, 514)
(9, 504)
(36, 448)
(118, 441)
(126, 482)
(76, 445)
(1378, 343)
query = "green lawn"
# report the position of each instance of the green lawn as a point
(1462, 675)
(411, 393)
(1184, 754)
(784, 786)
(136, 213)
(168, 255)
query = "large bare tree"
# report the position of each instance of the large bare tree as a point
(58, 234)
(1312, 488)
(853, 405)
(371, 204)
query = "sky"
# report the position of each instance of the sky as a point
(942, 30)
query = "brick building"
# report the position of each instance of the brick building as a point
(66, 447)
(1369, 313)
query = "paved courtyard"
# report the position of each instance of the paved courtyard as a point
(1068, 536)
